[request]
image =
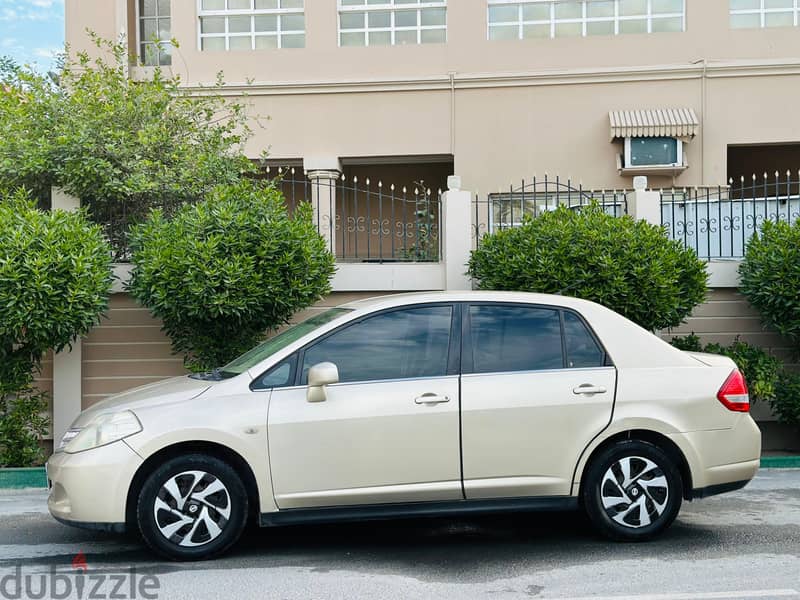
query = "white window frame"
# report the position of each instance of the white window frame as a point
(252, 13)
(584, 19)
(392, 8)
(763, 11)
(140, 42)
(629, 163)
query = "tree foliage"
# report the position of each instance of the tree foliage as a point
(223, 272)
(111, 141)
(627, 265)
(55, 277)
(770, 277)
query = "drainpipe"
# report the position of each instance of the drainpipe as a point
(703, 105)
(452, 76)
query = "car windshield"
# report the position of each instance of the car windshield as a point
(252, 357)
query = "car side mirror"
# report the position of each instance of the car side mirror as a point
(319, 376)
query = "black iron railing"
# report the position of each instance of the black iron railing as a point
(370, 221)
(718, 222)
(532, 198)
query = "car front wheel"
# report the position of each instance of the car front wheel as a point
(192, 507)
(633, 491)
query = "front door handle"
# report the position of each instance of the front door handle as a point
(431, 399)
(589, 390)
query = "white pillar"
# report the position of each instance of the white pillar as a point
(644, 204)
(67, 370)
(456, 230)
(324, 174)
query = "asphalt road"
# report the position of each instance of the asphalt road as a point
(741, 545)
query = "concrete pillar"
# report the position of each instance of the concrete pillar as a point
(644, 204)
(456, 229)
(324, 173)
(67, 371)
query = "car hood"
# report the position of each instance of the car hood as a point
(175, 389)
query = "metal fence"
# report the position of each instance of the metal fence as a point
(506, 209)
(369, 221)
(718, 222)
(365, 221)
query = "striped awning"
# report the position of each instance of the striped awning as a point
(679, 123)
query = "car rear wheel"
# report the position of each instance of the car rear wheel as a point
(632, 491)
(192, 507)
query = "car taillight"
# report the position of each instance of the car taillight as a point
(733, 393)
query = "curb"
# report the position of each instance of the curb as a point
(23, 478)
(780, 462)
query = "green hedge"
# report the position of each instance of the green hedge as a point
(627, 265)
(223, 272)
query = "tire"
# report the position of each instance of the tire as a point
(192, 507)
(649, 496)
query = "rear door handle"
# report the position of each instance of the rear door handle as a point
(431, 399)
(588, 389)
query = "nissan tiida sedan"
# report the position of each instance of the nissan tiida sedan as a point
(410, 405)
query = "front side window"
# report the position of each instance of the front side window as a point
(754, 14)
(509, 20)
(515, 338)
(155, 32)
(252, 24)
(392, 22)
(402, 344)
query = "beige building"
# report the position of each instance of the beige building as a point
(690, 93)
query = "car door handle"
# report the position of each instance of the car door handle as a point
(431, 399)
(589, 389)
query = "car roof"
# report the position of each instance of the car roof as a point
(405, 299)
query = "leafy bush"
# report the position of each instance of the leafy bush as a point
(55, 277)
(786, 404)
(689, 343)
(770, 277)
(223, 272)
(627, 265)
(91, 131)
(23, 422)
(761, 370)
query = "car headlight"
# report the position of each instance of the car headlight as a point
(103, 429)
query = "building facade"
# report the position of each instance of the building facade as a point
(494, 90)
(387, 98)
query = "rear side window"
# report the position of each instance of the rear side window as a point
(583, 350)
(515, 338)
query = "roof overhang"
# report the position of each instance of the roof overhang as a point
(681, 123)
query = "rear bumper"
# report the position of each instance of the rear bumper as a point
(721, 460)
(721, 488)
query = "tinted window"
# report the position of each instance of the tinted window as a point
(396, 345)
(582, 349)
(515, 338)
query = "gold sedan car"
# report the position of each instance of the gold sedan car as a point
(408, 405)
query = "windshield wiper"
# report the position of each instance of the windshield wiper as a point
(212, 375)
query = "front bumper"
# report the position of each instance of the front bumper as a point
(90, 489)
